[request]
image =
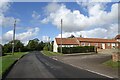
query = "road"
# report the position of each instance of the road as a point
(36, 65)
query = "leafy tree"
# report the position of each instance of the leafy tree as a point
(46, 48)
(19, 46)
(1, 50)
(7, 48)
(72, 36)
(51, 46)
(40, 46)
(33, 44)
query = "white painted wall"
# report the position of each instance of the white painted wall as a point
(67, 45)
(103, 45)
(113, 45)
(55, 46)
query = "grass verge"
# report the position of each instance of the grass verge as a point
(49, 53)
(112, 64)
(8, 60)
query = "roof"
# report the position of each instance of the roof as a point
(118, 36)
(67, 41)
(75, 41)
(96, 40)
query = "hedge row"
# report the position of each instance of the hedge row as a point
(79, 49)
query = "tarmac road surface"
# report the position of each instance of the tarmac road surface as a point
(36, 65)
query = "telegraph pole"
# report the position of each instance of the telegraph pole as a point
(13, 38)
(61, 35)
(49, 43)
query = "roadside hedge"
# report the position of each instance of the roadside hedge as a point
(79, 49)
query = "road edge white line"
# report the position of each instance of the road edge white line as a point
(85, 69)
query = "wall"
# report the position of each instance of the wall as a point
(99, 45)
(55, 46)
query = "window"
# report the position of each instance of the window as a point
(108, 44)
(96, 44)
(88, 44)
(83, 44)
(69, 46)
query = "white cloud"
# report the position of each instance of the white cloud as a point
(6, 21)
(75, 21)
(96, 33)
(94, 0)
(52, 7)
(4, 6)
(45, 38)
(24, 37)
(9, 21)
(35, 15)
(100, 0)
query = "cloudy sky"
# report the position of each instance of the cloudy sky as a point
(42, 20)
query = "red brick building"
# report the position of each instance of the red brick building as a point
(118, 39)
(75, 41)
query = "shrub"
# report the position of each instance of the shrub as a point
(79, 49)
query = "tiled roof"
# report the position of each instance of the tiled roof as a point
(75, 41)
(118, 36)
(67, 41)
(96, 40)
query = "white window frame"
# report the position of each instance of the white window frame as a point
(88, 44)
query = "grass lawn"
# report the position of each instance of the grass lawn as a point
(49, 53)
(8, 60)
(112, 64)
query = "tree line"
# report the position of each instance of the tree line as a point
(33, 45)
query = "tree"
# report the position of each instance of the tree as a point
(19, 46)
(80, 36)
(1, 50)
(33, 44)
(46, 47)
(51, 46)
(7, 48)
(40, 46)
(72, 36)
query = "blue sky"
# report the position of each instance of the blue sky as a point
(42, 20)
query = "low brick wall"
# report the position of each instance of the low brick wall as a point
(116, 56)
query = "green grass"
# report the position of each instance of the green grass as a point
(49, 53)
(112, 64)
(8, 60)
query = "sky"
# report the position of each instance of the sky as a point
(42, 20)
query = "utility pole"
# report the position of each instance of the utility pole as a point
(49, 43)
(13, 38)
(61, 35)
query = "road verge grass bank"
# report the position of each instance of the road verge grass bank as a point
(112, 64)
(8, 60)
(49, 53)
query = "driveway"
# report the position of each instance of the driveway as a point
(36, 65)
(92, 63)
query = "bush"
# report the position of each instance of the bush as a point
(79, 49)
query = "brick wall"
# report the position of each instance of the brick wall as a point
(116, 56)
(99, 45)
